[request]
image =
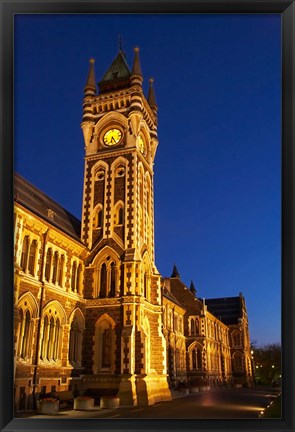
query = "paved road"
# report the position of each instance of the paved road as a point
(213, 404)
(219, 404)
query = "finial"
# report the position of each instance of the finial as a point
(192, 288)
(136, 69)
(175, 272)
(90, 86)
(151, 95)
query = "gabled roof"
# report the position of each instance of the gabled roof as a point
(228, 309)
(185, 297)
(171, 297)
(44, 207)
(118, 72)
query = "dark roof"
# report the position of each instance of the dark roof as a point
(185, 297)
(170, 296)
(46, 208)
(228, 309)
(117, 76)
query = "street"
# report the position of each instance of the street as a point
(213, 404)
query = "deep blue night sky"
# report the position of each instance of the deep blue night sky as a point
(217, 168)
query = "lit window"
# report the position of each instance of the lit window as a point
(32, 257)
(25, 253)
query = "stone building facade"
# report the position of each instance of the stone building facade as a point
(92, 312)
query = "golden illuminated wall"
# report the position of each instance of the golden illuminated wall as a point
(48, 301)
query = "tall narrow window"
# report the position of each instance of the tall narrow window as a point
(26, 335)
(113, 280)
(73, 278)
(54, 267)
(106, 348)
(21, 331)
(79, 278)
(193, 329)
(197, 327)
(45, 339)
(55, 350)
(32, 257)
(48, 264)
(177, 359)
(145, 282)
(25, 253)
(75, 342)
(199, 358)
(103, 281)
(50, 340)
(99, 218)
(120, 216)
(194, 359)
(60, 270)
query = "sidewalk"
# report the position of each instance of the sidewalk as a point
(94, 413)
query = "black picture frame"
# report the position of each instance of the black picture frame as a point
(8, 8)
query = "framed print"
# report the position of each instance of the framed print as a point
(147, 215)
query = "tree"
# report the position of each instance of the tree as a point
(267, 363)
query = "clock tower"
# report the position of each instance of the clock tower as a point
(123, 346)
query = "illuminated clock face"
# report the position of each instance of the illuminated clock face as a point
(141, 144)
(112, 137)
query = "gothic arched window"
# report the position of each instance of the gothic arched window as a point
(104, 352)
(75, 345)
(51, 337)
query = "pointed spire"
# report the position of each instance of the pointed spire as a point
(151, 95)
(136, 68)
(193, 289)
(175, 272)
(117, 76)
(90, 86)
